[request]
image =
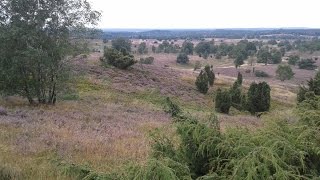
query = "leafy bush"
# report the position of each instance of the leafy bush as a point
(259, 73)
(307, 64)
(202, 82)
(223, 101)
(284, 72)
(122, 45)
(182, 58)
(293, 59)
(142, 49)
(118, 59)
(187, 48)
(148, 60)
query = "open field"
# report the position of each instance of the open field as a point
(104, 121)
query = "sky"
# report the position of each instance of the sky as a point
(210, 14)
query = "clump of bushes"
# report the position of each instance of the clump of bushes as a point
(280, 149)
(119, 59)
(259, 73)
(307, 64)
(147, 60)
(183, 58)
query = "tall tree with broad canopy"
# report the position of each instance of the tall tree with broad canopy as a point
(35, 43)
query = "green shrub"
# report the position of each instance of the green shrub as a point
(118, 59)
(182, 58)
(258, 97)
(239, 78)
(210, 74)
(278, 150)
(202, 82)
(148, 60)
(9, 173)
(293, 59)
(236, 95)
(223, 101)
(172, 108)
(259, 73)
(284, 72)
(307, 64)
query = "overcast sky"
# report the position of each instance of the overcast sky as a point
(196, 14)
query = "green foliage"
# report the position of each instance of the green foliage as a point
(223, 101)
(147, 60)
(308, 64)
(258, 97)
(313, 86)
(259, 73)
(278, 150)
(309, 109)
(236, 95)
(202, 82)
(164, 168)
(122, 45)
(210, 74)
(182, 58)
(167, 47)
(187, 48)
(9, 173)
(142, 48)
(203, 49)
(35, 43)
(276, 57)
(264, 55)
(284, 72)
(293, 59)
(117, 58)
(172, 108)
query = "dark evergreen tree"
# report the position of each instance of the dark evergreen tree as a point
(235, 94)
(210, 74)
(239, 78)
(223, 101)
(258, 98)
(202, 82)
